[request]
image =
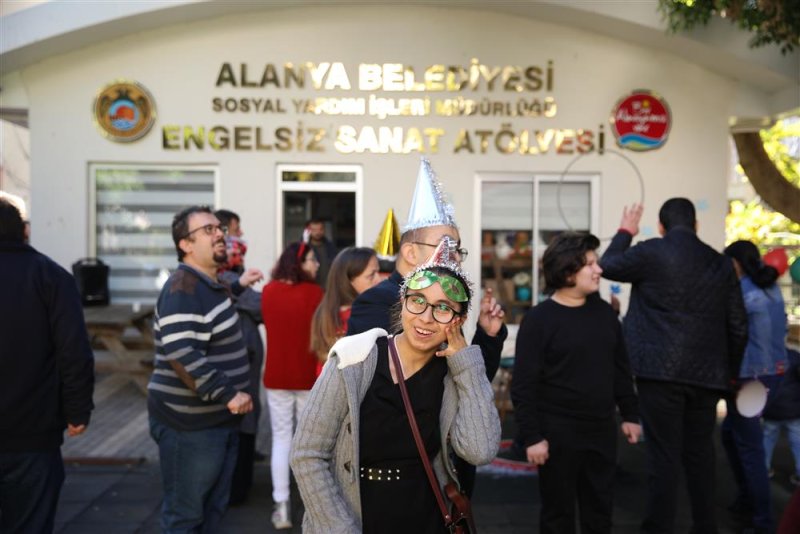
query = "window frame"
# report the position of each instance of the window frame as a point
(536, 179)
(356, 187)
(94, 167)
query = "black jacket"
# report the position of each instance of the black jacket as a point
(372, 309)
(785, 403)
(46, 362)
(686, 322)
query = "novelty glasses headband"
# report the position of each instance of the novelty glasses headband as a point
(452, 287)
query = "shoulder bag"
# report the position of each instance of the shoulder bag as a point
(458, 519)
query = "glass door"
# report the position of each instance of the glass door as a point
(328, 193)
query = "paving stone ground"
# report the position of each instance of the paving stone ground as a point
(118, 499)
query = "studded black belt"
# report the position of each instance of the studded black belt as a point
(381, 474)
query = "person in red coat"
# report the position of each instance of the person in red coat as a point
(287, 306)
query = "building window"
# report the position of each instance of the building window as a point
(520, 215)
(131, 222)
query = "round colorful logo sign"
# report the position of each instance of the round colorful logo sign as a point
(641, 121)
(124, 111)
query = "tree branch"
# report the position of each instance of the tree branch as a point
(767, 180)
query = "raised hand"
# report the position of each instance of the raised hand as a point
(250, 276)
(490, 314)
(630, 218)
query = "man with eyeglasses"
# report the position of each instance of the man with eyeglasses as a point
(196, 396)
(430, 221)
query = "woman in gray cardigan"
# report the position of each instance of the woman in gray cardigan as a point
(353, 455)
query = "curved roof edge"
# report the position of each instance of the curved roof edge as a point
(52, 28)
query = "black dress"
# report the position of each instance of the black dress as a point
(398, 498)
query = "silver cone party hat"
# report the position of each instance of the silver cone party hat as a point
(428, 206)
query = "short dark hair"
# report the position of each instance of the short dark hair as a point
(226, 216)
(315, 220)
(12, 227)
(565, 256)
(289, 266)
(180, 225)
(408, 236)
(677, 212)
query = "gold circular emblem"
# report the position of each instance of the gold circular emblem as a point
(124, 111)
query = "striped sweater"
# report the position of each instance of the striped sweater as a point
(201, 360)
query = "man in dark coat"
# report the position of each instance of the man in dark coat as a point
(686, 330)
(323, 247)
(46, 376)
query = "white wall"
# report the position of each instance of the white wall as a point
(179, 65)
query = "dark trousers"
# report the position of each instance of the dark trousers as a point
(466, 475)
(243, 472)
(679, 422)
(580, 470)
(29, 487)
(743, 439)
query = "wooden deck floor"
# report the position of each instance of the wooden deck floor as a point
(118, 430)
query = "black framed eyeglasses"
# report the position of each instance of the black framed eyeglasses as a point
(460, 251)
(442, 313)
(209, 229)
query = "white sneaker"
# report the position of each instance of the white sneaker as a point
(282, 515)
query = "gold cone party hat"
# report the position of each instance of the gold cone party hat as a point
(388, 242)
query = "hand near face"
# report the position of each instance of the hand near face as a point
(538, 453)
(491, 314)
(632, 431)
(455, 338)
(250, 277)
(630, 218)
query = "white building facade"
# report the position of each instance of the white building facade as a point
(280, 113)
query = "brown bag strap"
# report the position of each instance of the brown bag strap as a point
(412, 421)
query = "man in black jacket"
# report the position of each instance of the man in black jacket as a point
(686, 330)
(46, 377)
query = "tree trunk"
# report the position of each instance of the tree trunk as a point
(767, 180)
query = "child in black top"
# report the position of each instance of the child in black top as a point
(570, 373)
